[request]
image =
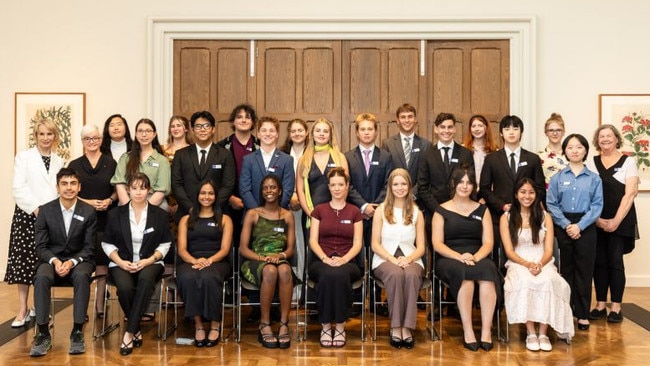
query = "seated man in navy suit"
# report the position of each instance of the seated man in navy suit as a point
(65, 247)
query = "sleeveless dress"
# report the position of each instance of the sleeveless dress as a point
(318, 183)
(269, 237)
(545, 298)
(464, 235)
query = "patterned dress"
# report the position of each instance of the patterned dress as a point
(552, 162)
(269, 237)
(544, 298)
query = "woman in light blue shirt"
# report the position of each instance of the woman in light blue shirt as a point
(575, 200)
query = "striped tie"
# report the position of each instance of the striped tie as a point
(407, 150)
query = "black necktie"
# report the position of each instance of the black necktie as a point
(445, 158)
(202, 162)
(513, 166)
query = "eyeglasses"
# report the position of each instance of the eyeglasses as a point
(202, 126)
(554, 131)
(144, 132)
(90, 139)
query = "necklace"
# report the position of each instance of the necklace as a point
(337, 210)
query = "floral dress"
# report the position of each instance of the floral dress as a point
(552, 162)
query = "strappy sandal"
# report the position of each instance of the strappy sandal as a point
(199, 342)
(213, 342)
(326, 338)
(338, 343)
(284, 340)
(125, 350)
(137, 339)
(267, 340)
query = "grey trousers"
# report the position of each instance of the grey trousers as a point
(402, 288)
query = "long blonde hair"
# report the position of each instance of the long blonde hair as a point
(389, 203)
(308, 155)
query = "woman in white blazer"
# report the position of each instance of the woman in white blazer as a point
(398, 243)
(34, 184)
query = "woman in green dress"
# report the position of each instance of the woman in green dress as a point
(267, 242)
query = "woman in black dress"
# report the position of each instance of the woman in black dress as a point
(34, 184)
(95, 170)
(204, 241)
(462, 236)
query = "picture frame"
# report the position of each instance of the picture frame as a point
(67, 110)
(630, 113)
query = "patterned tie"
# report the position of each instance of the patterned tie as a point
(366, 160)
(202, 163)
(407, 150)
(513, 166)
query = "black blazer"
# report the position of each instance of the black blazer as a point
(118, 231)
(393, 145)
(434, 176)
(371, 187)
(51, 239)
(497, 181)
(187, 175)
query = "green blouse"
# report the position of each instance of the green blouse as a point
(156, 167)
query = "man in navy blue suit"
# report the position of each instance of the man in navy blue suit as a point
(369, 168)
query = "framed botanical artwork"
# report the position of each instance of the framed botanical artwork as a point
(66, 110)
(630, 113)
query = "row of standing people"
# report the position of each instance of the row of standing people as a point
(324, 156)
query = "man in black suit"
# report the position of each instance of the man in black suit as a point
(369, 168)
(437, 166)
(406, 147)
(200, 161)
(65, 247)
(504, 168)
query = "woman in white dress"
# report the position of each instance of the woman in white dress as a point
(398, 243)
(534, 290)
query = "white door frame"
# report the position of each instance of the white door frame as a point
(520, 31)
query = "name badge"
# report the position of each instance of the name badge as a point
(523, 163)
(566, 183)
(477, 217)
(272, 170)
(333, 165)
(374, 163)
(80, 218)
(249, 148)
(347, 222)
(154, 164)
(454, 160)
(417, 149)
(147, 231)
(617, 169)
(216, 166)
(212, 224)
(278, 229)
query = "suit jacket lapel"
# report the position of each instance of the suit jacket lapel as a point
(194, 160)
(400, 148)
(125, 224)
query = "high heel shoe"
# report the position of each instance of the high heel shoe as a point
(472, 346)
(21, 323)
(284, 340)
(266, 339)
(199, 342)
(137, 340)
(583, 326)
(395, 342)
(213, 342)
(125, 350)
(487, 346)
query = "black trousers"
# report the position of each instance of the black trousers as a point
(609, 272)
(79, 277)
(577, 259)
(134, 291)
(334, 290)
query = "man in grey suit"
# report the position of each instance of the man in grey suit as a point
(65, 247)
(406, 147)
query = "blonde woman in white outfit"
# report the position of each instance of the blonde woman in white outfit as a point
(398, 244)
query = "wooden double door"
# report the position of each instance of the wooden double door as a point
(339, 79)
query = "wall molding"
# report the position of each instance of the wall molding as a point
(521, 31)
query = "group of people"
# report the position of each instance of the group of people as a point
(305, 210)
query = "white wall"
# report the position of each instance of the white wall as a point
(583, 48)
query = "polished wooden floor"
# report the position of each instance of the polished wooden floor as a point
(604, 344)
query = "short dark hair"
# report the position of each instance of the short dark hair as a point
(511, 121)
(66, 172)
(202, 114)
(246, 108)
(457, 176)
(583, 141)
(443, 117)
(139, 177)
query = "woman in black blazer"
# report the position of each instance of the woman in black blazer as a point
(136, 239)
